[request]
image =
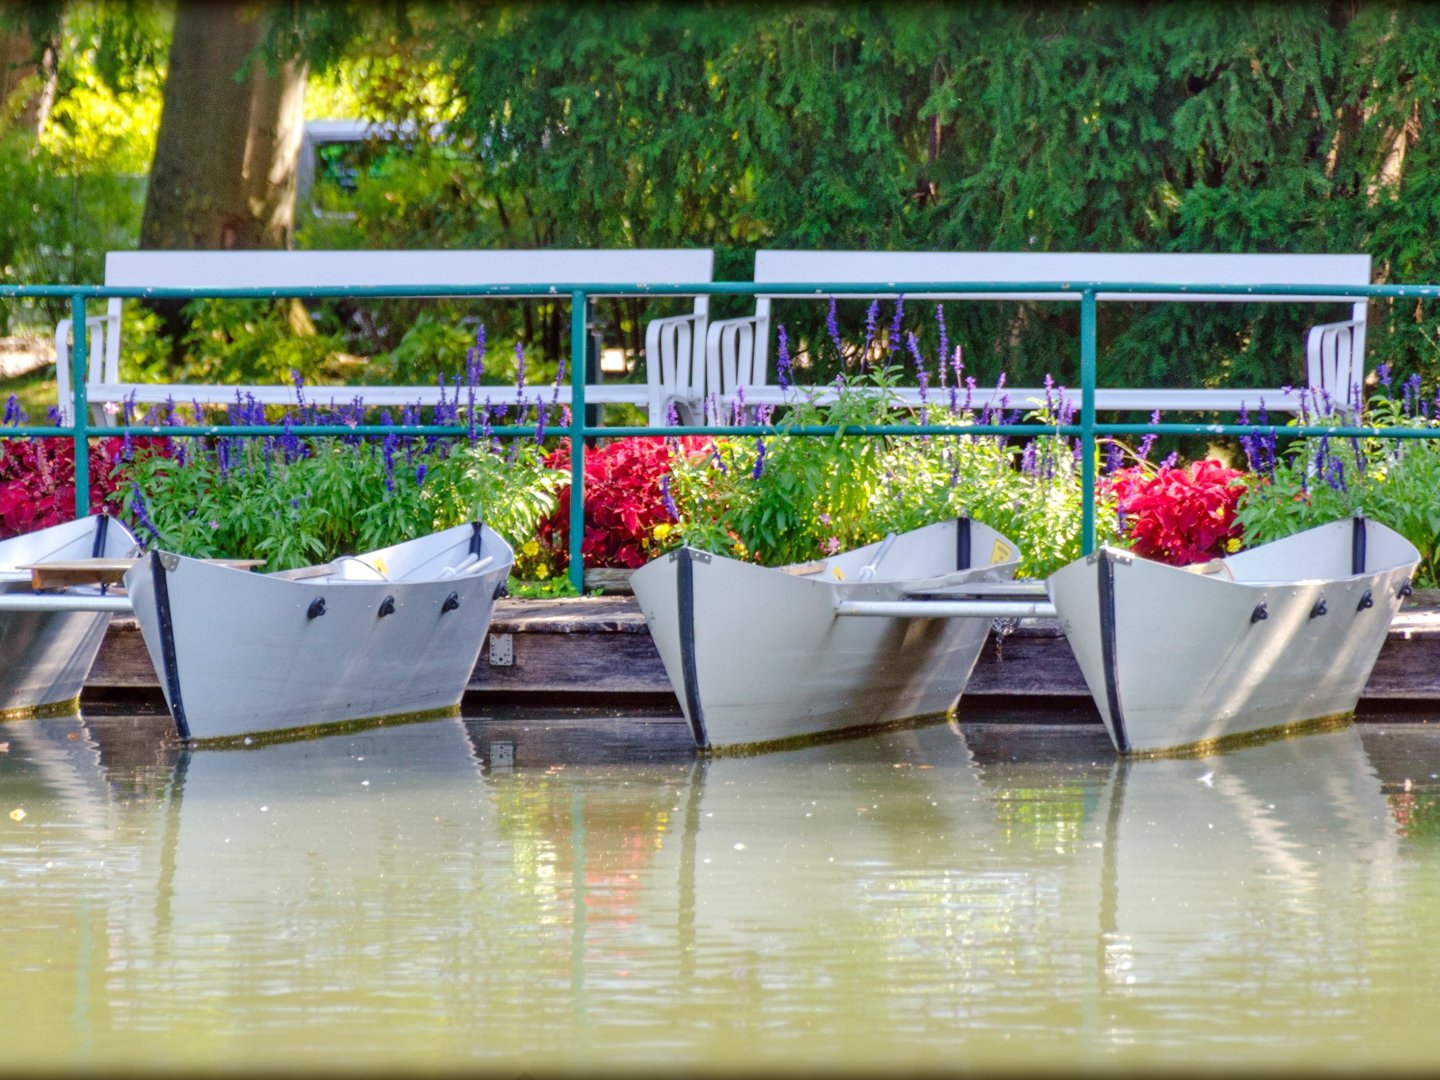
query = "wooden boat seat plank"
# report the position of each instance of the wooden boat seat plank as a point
(304, 572)
(66, 572)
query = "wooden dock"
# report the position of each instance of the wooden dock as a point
(597, 652)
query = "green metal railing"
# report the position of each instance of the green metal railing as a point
(81, 430)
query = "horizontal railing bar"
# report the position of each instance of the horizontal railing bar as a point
(545, 290)
(561, 430)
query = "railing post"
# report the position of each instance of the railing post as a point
(579, 319)
(80, 418)
(1087, 420)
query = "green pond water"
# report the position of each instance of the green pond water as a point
(525, 892)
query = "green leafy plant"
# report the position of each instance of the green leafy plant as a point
(1318, 479)
(294, 499)
(794, 498)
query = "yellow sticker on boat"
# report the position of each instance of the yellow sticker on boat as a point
(1001, 552)
(839, 574)
(380, 565)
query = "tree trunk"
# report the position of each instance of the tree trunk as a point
(24, 60)
(226, 155)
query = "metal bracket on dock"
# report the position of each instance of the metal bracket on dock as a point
(502, 650)
(502, 754)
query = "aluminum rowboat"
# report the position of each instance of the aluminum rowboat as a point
(390, 633)
(1284, 634)
(45, 656)
(761, 655)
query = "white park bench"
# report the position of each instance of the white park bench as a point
(738, 350)
(674, 373)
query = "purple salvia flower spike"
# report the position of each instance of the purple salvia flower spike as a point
(872, 316)
(782, 359)
(944, 339)
(832, 327)
(895, 324)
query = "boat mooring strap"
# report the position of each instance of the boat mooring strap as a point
(167, 643)
(962, 543)
(1357, 546)
(102, 522)
(685, 610)
(1108, 658)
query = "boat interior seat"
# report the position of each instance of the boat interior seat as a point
(1214, 568)
(354, 568)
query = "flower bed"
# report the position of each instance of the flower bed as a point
(294, 498)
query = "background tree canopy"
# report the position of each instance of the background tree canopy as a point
(1265, 127)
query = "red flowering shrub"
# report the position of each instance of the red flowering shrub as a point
(1180, 515)
(37, 481)
(626, 517)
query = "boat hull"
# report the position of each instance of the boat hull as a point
(46, 656)
(243, 654)
(759, 656)
(1285, 635)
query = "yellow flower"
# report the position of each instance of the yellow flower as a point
(532, 548)
(662, 530)
(1232, 545)
(542, 571)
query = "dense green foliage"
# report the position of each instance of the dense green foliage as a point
(1279, 127)
(1291, 126)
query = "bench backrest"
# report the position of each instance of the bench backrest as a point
(532, 271)
(738, 350)
(337, 269)
(796, 267)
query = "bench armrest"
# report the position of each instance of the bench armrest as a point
(1335, 361)
(674, 364)
(96, 328)
(735, 353)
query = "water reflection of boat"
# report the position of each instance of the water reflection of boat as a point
(55, 756)
(393, 632)
(759, 855)
(761, 655)
(362, 894)
(1196, 864)
(45, 656)
(1283, 634)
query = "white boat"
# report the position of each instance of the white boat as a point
(387, 634)
(761, 655)
(1283, 635)
(45, 656)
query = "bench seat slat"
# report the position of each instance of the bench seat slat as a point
(1274, 399)
(390, 396)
